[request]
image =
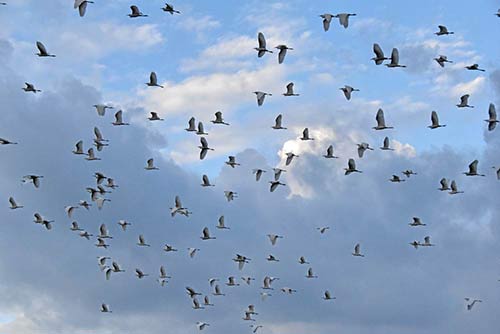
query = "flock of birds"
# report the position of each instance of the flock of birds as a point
(104, 184)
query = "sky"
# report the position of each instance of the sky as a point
(50, 281)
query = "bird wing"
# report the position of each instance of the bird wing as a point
(380, 118)
(492, 112)
(135, 10)
(395, 56)
(351, 164)
(203, 142)
(434, 118)
(153, 80)
(378, 51)
(262, 41)
(281, 55)
(289, 88)
(118, 116)
(82, 8)
(41, 48)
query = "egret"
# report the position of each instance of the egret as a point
(30, 88)
(289, 158)
(204, 148)
(344, 19)
(416, 222)
(492, 120)
(427, 242)
(327, 296)
(140, 274)
(277, 123)
(394, 59)
(302, 260)
(191, 125)
(379, 54)
(258, 173)
(221, 225)
(381, 121)
(409, 173)
(435, 121)
(232, 162)
(386, 145)
(218, 119)
(35, 179)
(473, 169)
(91, 155)
(305, 135)
(42, 51)
(348, 91)
(206, 181)
(329, 153)
(82, 6)
(357, 251)
(464, 102)
(327, 19)
(142, 241)
(13, 204)
(154, 117)
(170, 9)
(474, 67)
(310, 274)
(471, 304)
(105, 308)
(444, 184)
(443, 31)
(275, 184)
(230, 195)
(274, 238)
(123, 224)
(289, 90)
(272, 258)
(261, 96)
(4, 141)
(150, 165)
(362, 148)
(101, 109)
(351, 167)
(135, 12)
(396, 179)
(281, 55)
(119, 119)
(262, 45)
(441, 60)
(206, 234)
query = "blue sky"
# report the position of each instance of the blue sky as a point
(205, 59)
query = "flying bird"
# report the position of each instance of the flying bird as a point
(386, 146)
(101, 109)
(150, 165)
(218, 119)
(82, 6)
(351, 167)
(204, 148)
(435, 121)
(281, 55)
(42, 51)
(473, 169)
(305, 135)
(289, 90)
(206, 181)
(357, 251)
(260, 97)
(464, 102)
(441, 60)
(492, 120)
(471, 304)
(153, 81)
(119, 119)
(30, 88)
(474, 67)
(154, 117)
(329, 153)
(277, 123)
(347, 90)
(170, 9)
(261, 50)
(443, 31)
(135, 12)
(327, 19)
(362, 149)
(394, 59)
(344, 19)
(379, 55)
